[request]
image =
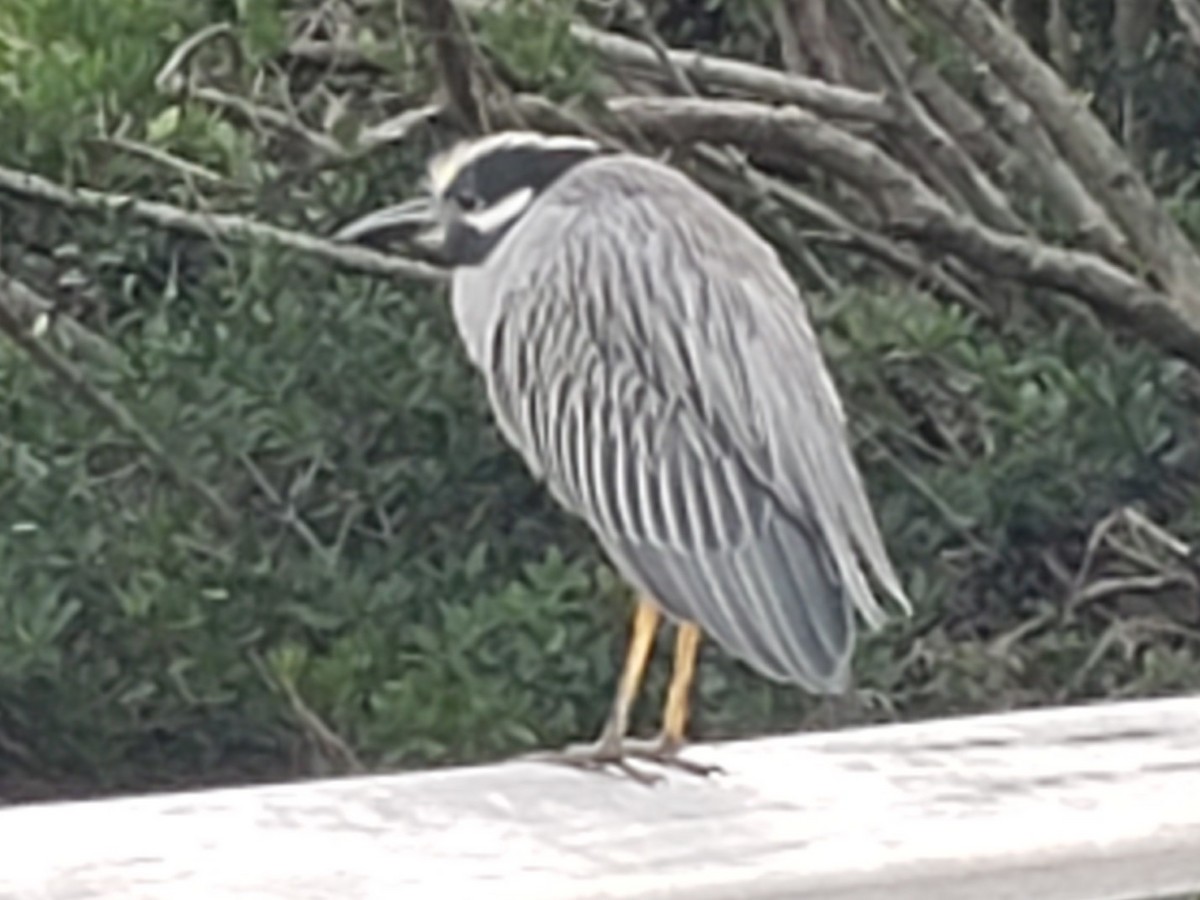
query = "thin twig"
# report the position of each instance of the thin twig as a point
(173, 77)
(287, 513)
(258, 115)
(397, 128)
(639, 18)
(184, 167)
(952, 518)
(328, 740)
(171, 80)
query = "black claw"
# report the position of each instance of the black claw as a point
(594, 759)
(604, 759)
(667, 755)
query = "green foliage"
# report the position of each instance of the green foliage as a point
(395, 588)
(68, 66)
(371, 493)
(72, 71)
(532, 40)
(994, 457)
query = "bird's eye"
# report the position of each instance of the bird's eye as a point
(468, 201)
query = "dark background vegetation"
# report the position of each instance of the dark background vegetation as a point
(388, 588)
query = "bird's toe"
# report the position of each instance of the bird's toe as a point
(598, 757)
(668, 753)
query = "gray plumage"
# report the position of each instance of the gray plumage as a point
(651, 359)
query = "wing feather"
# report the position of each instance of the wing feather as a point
(695, 426)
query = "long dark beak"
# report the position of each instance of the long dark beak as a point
(413, 222)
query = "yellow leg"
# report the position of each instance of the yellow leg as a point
(645, 623)
(665, 750)
(612, 749)
(675, 714)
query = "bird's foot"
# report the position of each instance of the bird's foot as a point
(665, 751)
(611, 755)
(601, 756)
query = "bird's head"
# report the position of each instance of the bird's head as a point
(476, 191)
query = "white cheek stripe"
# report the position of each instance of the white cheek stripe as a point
(499, 214)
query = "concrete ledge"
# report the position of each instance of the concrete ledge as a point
(1087, 803)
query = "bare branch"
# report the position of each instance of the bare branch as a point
(809, 41)
(981, 195)
(738, 77)
(452, 46)
(712, 72)
(1132, 27)
(216, 226)
(1091, 226)
(259, 115)
(1087, 145)
(955, 114)
(1188, 12)
(187, 169)
(327, 741)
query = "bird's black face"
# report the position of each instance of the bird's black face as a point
(483, 188)
(480, 189)
(492, 190)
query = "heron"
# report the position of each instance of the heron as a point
(647, 354)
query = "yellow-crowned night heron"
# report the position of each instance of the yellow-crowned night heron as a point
(648, 355)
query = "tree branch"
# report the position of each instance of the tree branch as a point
(216, 226)
(809, 42)
(951, 110)
(734, 76)
(455, 60)
(1090, 225)
(980, 194)
(1087, 145)
(713, 72)
(1188, 12)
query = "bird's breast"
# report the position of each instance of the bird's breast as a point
(475, 301)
